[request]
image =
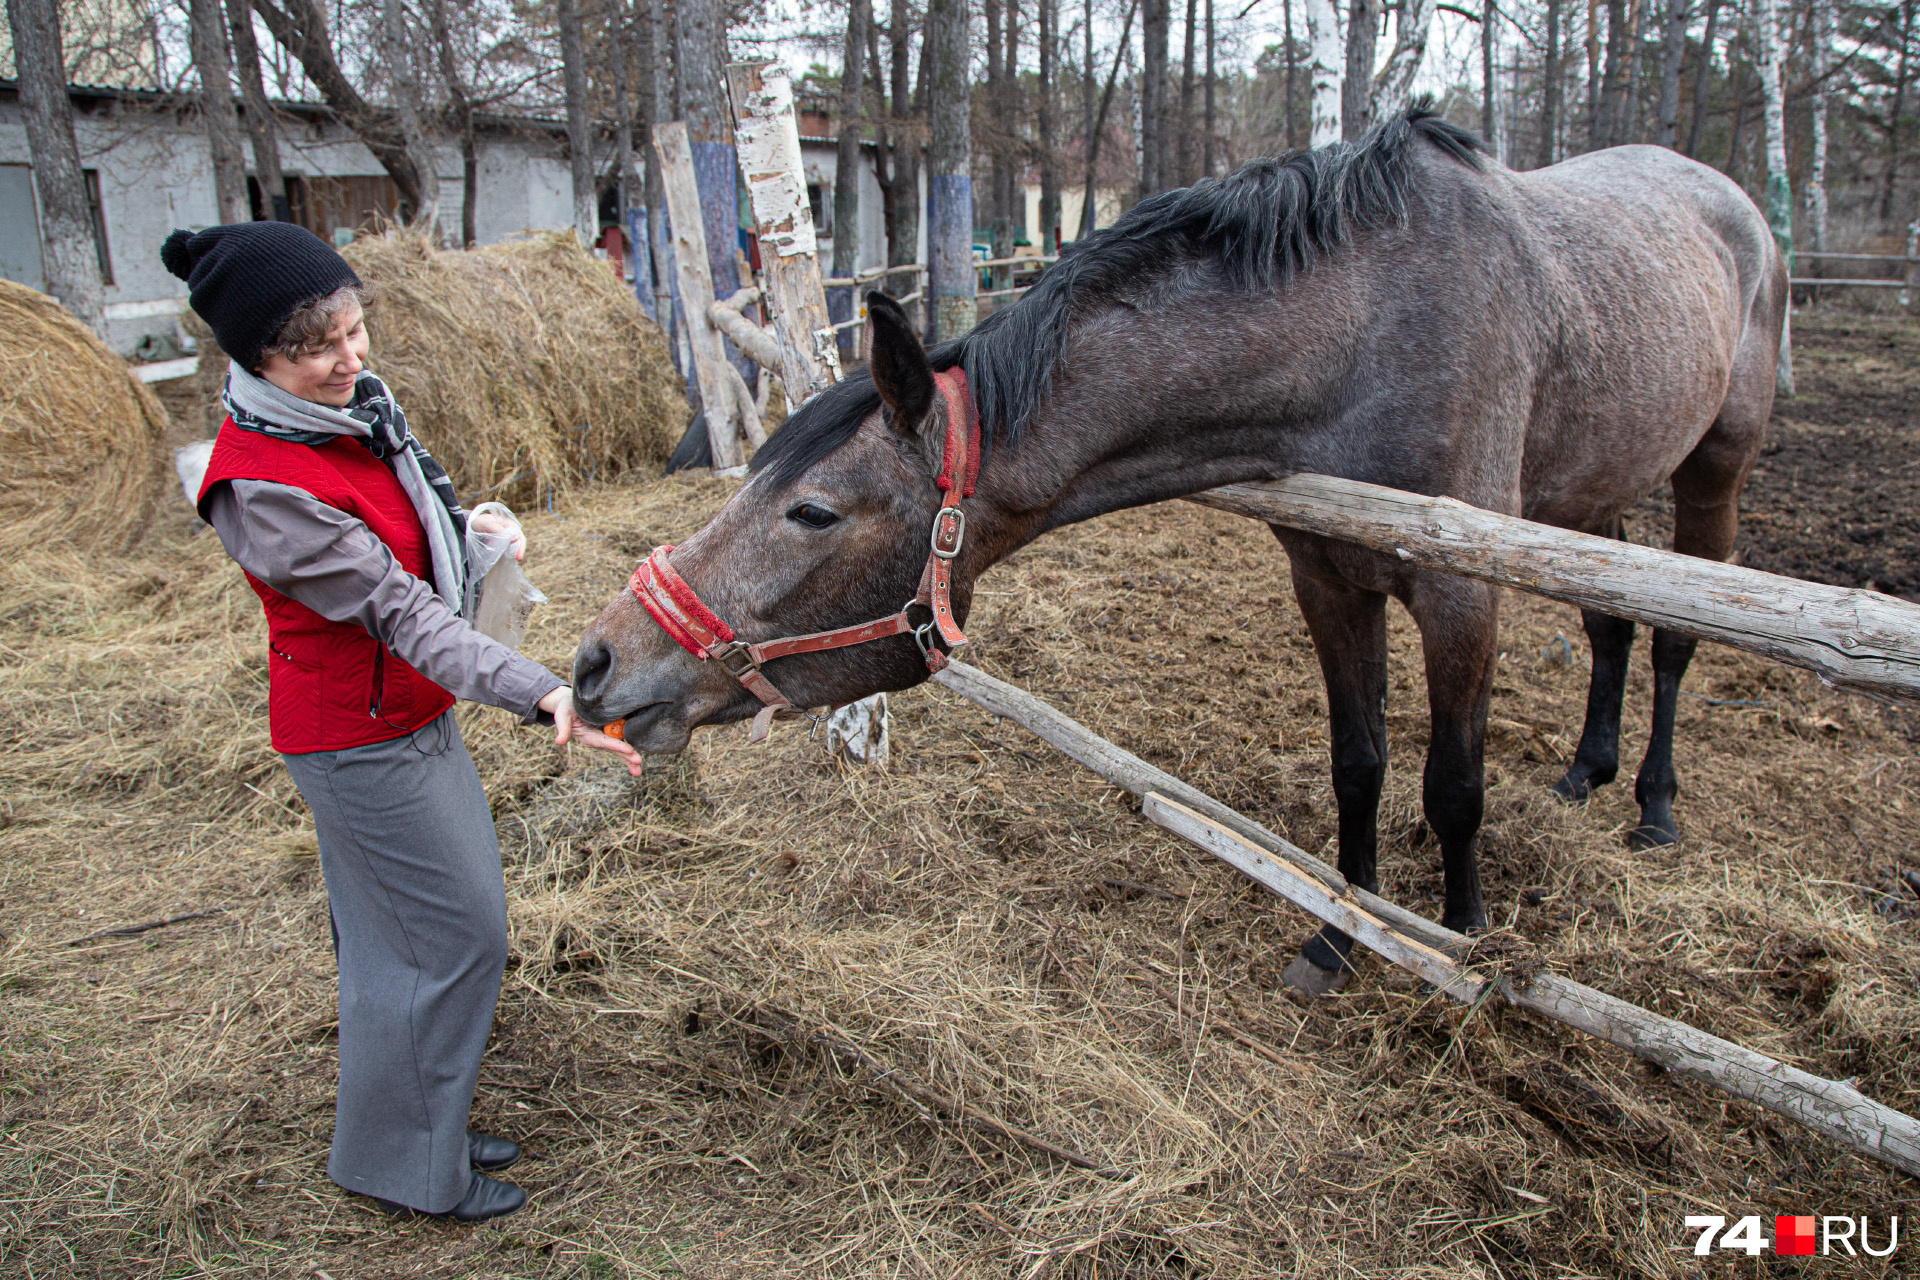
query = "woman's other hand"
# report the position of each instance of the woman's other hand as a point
(494, 523)
(571, 728)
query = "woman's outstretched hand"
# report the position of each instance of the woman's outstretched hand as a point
(492, 522)
(571, 728)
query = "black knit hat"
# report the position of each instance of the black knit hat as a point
(247, 278)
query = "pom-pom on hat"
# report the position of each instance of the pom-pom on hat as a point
(247, 278)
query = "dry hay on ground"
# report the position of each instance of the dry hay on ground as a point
(525, 367)
(79, 438)
(694, 956)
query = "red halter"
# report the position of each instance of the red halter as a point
(673, 604)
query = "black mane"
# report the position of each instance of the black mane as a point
(1261, 224)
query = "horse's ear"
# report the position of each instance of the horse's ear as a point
(901, 373)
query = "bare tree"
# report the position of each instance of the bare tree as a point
(573, 71)
(627, 176)
(406, 100)
(1819, 57)
(1156, 19)
(950, 164)
(1184, 152)
(1049, 19)
(262, 129)
(67, 247)
(846, 167)
(1393, 87)
(461, 103)
(1356, 91)
(1097, 120)
(1896, 114)
(208, 28)
(1550, 97)
(662, 104)
(903, 225)
(300, 27)
(1673, 51)
(1702, 77)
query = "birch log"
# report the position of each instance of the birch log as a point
(769, 140)
(729, 316)
(1849, 637)
(1441, 956)
(696, 290)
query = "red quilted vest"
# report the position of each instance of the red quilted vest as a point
(330, 684)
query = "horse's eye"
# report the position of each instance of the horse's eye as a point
(812, 515)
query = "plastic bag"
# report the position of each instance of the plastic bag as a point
(500, 599)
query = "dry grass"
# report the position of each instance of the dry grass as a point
(79, 439)
(694, 956)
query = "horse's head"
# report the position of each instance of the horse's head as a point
(831, 531)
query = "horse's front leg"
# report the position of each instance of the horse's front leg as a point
(1349, 630)
(1459, 633)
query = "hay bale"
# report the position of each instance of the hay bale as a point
(80, 455)
(525, 367)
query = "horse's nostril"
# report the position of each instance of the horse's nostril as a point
(592, 668)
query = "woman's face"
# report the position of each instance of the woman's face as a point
(326, 374)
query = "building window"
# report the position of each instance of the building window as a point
(821, 205)
(98, 218)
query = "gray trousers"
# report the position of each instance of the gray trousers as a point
(420, 925)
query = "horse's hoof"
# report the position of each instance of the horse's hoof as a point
(1654, 834)
(1571, 789)
(1310, 980)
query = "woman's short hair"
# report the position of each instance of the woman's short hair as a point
(307, 328)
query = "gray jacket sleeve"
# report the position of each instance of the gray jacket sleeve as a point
(332, 563)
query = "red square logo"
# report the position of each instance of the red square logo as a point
(1793, 1236)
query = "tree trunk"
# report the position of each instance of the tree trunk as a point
(1736, 82)
(658, 59)
(222, 123)
(1183, 175)
(1628, 121)
(903, 232)
(1595, 134)
(627, 178)
(1673, 51)
(1894, 117)
(1097, 125)
(462, 105)
(262, 130)
(1293, 58)
(883, 160)
(573, 71)
(846, 173)
(1011, 197)
(700, 42)
(301, 29)
(406, 98)
(1817, 174)
(1554, 77)
(1049, 19)
(1488, 125)
(1206, 150)
(1779, 193)
(1363, 34)
(1609, 129)
(1393, 87)
(68, 250)
(1703, 80)
(1329, 60)
(950, 168)
(996, 159)
(1156, 18)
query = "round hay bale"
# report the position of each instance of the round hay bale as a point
(526, 367)
(80, 437)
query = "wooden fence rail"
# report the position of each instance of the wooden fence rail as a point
(1447, 959)
(1851, 638)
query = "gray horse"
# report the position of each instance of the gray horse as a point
(1400, 310)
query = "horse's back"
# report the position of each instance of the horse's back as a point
(1663, 289)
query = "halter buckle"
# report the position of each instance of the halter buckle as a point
(949, 517)
(747, 665)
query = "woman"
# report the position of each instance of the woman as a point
(349, 532)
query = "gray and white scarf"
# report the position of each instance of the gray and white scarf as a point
(375, 417)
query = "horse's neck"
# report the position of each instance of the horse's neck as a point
(1215, 390)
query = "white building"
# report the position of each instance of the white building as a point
(149, 170)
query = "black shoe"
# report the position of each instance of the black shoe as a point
(485, 1199)
(490, 1154)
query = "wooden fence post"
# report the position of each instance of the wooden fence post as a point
(696, 291)
(769, 140)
